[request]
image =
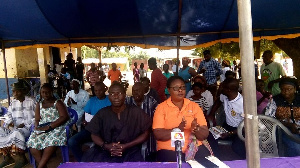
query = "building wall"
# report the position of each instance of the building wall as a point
(10, 64)
(64, 52)
(23, 63)
(27, 62)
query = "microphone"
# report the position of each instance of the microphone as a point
(177, 141)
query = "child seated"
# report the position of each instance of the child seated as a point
(232, 102)
(262, 96)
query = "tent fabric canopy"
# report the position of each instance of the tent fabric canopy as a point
(144, 23)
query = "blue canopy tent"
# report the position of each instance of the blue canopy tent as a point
(145, 23)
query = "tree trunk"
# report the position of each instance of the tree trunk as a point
(292, 48)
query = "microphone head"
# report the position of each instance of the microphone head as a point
(177, 135)
(176, 130)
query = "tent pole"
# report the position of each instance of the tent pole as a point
(177, 62)
(5, 71)
(248, 77)
(178, 33)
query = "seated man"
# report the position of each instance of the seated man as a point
(77, 99)
(148, 104)
(92, 107)
(118, 130)
(148, 90)
(232, 102)
(19, 117)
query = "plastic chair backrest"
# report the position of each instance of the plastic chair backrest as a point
(3, 111)
(73, 116)
(267, 128)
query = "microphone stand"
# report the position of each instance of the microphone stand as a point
(178, 150)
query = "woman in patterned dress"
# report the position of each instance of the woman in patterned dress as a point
(51, 116)
(136, 73)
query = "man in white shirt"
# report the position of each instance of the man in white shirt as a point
(77, 99)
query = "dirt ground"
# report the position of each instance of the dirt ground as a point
(53, 163)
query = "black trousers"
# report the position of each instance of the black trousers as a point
(238, 146)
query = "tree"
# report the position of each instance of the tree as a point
(231, 50)
(228, 51)
(89, 52)
(292, 49)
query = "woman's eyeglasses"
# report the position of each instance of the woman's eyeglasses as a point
(176, 88)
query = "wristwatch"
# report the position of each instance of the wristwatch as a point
(102, 146)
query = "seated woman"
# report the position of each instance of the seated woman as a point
(262, 96)
(118, 131)
(286, 108)
(19, 117)
(207, 94)
(51, 117)
(205, 104)
(179, 112)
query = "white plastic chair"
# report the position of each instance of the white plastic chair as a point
(268, 128)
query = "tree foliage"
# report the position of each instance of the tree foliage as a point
(231, 51)
(113, 52)
(88, 52)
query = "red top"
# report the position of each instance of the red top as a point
(159, 83)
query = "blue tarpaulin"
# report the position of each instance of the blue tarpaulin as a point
(145, 23)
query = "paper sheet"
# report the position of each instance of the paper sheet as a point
(88, 117)
(217, 162)
(195, 164)
(217, 131)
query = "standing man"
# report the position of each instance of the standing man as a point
(93, 76)
(158, 80)
(79, 71)
(114, 74)
(211, 69)
(270, 72)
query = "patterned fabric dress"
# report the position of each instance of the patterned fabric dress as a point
(17, 113)
(56, 137)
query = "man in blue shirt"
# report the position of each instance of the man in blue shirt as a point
(92, 107)
(211, 69)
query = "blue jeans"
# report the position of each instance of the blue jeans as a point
(75, 143)
(291, 147)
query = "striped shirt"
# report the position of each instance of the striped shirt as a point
(93, 77)
(149, 105)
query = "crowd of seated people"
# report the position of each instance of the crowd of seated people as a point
(138, 128)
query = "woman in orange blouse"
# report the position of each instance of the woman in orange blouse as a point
(178, 112)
